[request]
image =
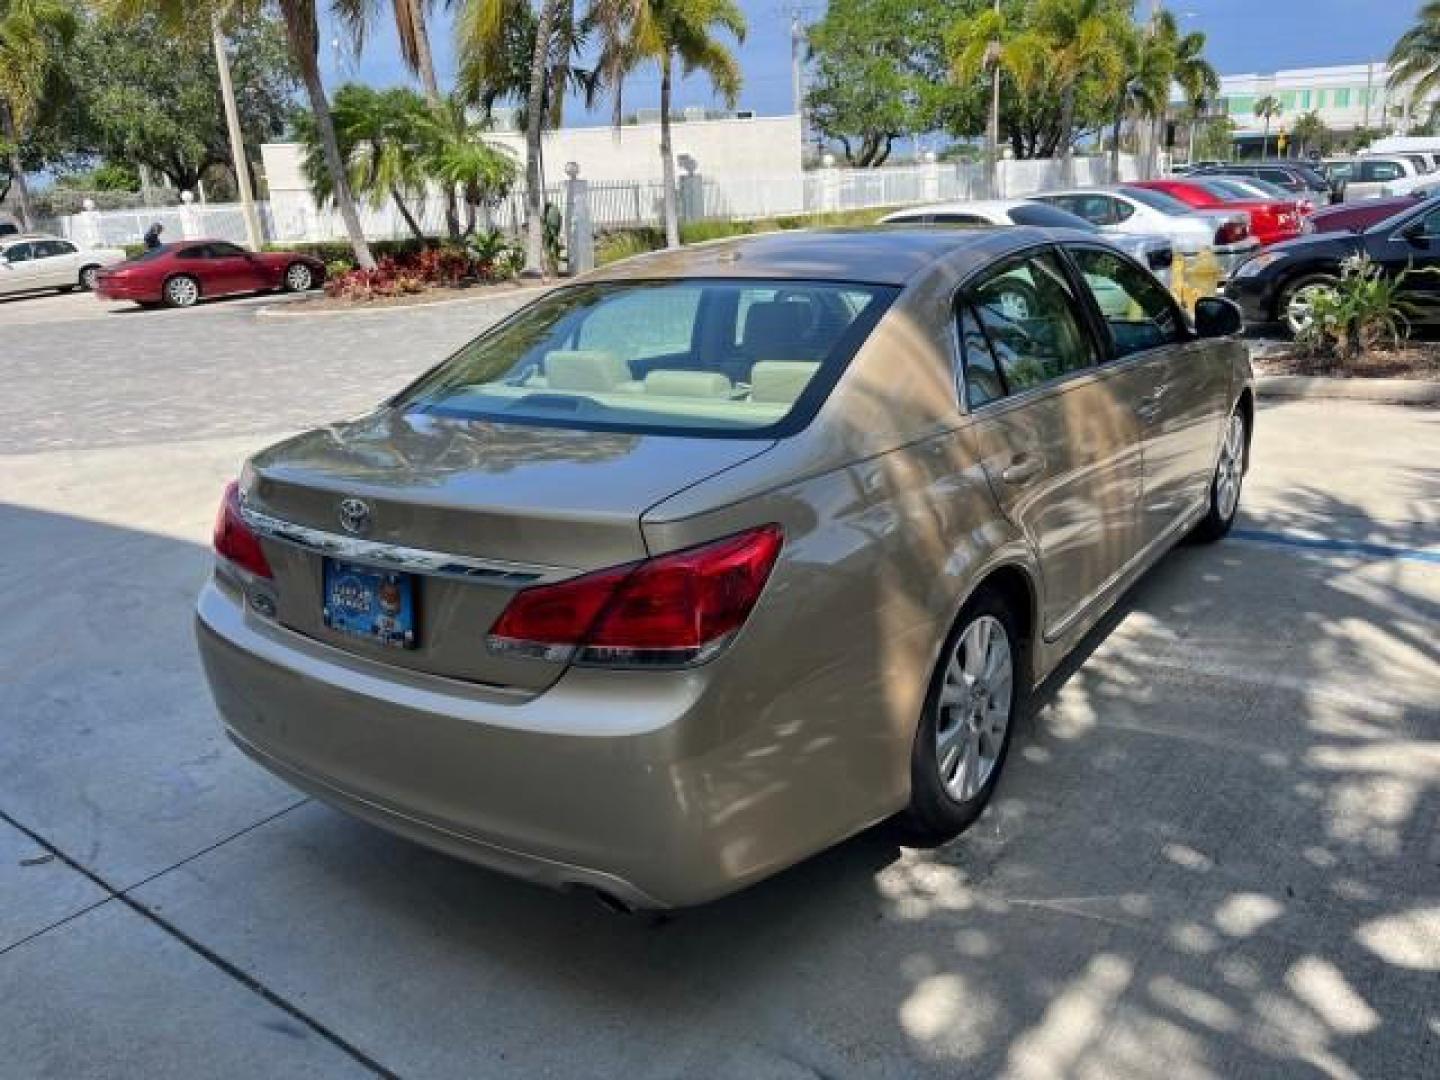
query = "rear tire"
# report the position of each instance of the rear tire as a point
(182, 291)
(298, 278)
(977, 694)
(1225, 484)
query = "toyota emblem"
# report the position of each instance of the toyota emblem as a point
(355, 516)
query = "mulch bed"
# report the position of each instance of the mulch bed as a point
(436, 294)
(1414, 360)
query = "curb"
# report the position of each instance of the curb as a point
(1320, 387)
(296, 310)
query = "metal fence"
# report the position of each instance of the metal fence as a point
(294, 217)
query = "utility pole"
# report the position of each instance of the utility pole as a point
(992, 135)
(237, 139)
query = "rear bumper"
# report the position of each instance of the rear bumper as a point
(119, 290)
(634, 783)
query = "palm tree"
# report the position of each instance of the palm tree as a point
(482, 30)
(1196, 76)
(1083, 39)
(33, 33)
(1148, 61)
(380, 137)
(302, 34)
(1415, 59)
(664, 32)
(1309, 132)
(413, 33)
(1267, 108)
(457, 154)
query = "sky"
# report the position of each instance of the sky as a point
(1244, 36)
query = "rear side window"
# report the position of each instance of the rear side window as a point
(712, 357)
(981, 374)
(18, 253)
(957, 219)
(1379, 171)
(1136, 307)
(1031, 321)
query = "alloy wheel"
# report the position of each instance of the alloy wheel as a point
(1300, 307)
(1231, 468)
(88, 278)
(973, 712)
(182, 291)
(298, 278)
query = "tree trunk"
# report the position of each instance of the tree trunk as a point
(668, 208)
(410, 222)
(1067, 135)
(340, 180)
(1115, 141)
(425, 67)
(17, 169)
(534, 120)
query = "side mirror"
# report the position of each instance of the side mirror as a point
(1217, 317)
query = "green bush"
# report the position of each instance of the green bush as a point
(1362, 312)
(616, 244)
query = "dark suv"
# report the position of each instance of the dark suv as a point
(1304, 180)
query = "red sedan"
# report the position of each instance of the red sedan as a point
(1359, 216)
(179, 275)
(1271, 220)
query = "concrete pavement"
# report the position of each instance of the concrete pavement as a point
(1215, 851)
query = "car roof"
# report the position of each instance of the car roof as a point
(879, 255)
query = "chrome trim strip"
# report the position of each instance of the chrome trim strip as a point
(396, 556)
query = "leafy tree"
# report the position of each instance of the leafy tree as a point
(1310, 133)
(1215, 139)
(108, 176)
(495, 69)
(1077, 41)
(302, 35)
(865, 87)
(1267, 108)
(665, 32)
(160, 107)
(33, 36)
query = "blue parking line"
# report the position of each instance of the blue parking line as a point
(1338, 547)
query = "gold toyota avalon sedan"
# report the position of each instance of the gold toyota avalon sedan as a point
(706, 561)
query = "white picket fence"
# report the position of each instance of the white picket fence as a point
(292, 217)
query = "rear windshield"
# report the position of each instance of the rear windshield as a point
(693, 357)
(1158, 200)
(1044, 216)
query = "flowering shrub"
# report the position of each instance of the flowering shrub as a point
(488, 258)
(1361, 312)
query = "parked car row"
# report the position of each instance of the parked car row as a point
(176, 275)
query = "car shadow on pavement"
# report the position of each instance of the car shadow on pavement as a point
(1212, 853)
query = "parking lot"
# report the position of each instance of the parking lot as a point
(1215, 853)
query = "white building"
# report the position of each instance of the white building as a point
(1345, 97)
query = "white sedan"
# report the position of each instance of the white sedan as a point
(1154, 251)
(31, 261)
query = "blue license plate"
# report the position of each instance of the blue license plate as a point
(377, 605)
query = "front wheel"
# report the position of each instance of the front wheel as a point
(964, 735)
(1225, 485)
(1297, 303)
(89, 276)
(182, 291)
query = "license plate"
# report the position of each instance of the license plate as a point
(377, 605)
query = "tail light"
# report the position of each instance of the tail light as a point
(671, 611)
(1232, 232)
(234, 540)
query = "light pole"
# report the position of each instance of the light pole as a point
(237, 138)
(992, 135)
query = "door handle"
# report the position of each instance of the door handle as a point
(1022, 468)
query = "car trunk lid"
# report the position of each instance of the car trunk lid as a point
(471, 510)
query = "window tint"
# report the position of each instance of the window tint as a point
(200, 251)
(982, 382)
(1278, 176)
(958, 219)
(1096, 209)
(1029, 315)
(220, 249)
(1158, 200)
(1048, 217)
(1430, 224)
(18, 253)
(683, 357)
(1135, 306)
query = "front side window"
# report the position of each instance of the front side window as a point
(1029, 316)
(1136, 307)
(711, 357)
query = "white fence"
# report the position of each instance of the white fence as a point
(294, 217)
